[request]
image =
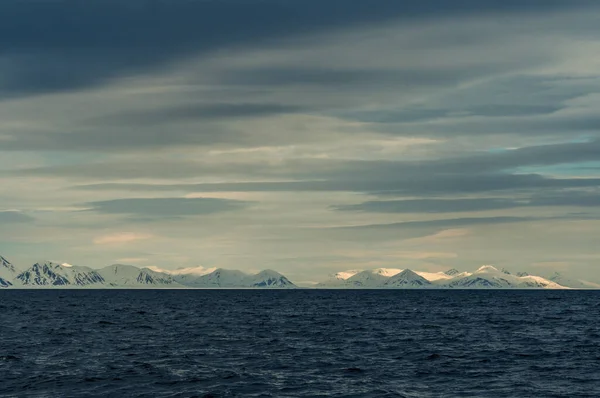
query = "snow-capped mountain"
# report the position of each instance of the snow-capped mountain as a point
(486, 277)
(121, 275)
(369, 279)
(489, 277)
(49, 273)
(8, 272)
(573, 283)
(224, 278)
(268, 279)
(374, 278)
(343, 275)
(338, 279)
(406, 279)
(216, 279)
(434, 276)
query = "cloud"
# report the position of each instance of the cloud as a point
(416, 255)
(444, 236)
(408, 118)
(449, 223)
(341, 78)
(348, 66)
(552, 265)
(121, 238)
(201, 112)
(153, 208)
(12, 216)
(401, 185)
(131, 260)
(566, 198)
(471, 172)
(69, 53)
(431, 205)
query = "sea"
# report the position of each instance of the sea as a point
(299, 343)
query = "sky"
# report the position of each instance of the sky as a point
(307, 136)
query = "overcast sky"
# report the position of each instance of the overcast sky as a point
(304, 136)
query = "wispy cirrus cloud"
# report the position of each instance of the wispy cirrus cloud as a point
(119, 238)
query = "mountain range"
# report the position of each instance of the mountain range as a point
(47, 274)
(486, 277)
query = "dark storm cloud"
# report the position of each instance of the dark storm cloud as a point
(63, 45)
(512, 96)
(10, 217)
(151, 208)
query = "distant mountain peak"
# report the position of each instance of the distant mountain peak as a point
(7, 273)
(5, 263)
(268, 278)
(129, 275)
(452, 272)
(407, 278)
(487, 268)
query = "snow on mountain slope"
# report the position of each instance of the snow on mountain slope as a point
(343, 275)
(49, 274)
(407, 279)
(452, 272)
(573, 283)
(486, 277)
(199, 271)
(531, 281)
(338, 279)
(376, 277)
(218, 278)
(367, 279)
(433, 276)
(121, 275)
(268, 279)
(8, 273)
(224, 278)
(387, 271)
(350, 278)
(489, 277)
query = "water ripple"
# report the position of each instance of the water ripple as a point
(195, 343)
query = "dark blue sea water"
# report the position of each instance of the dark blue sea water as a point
(301, 343)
